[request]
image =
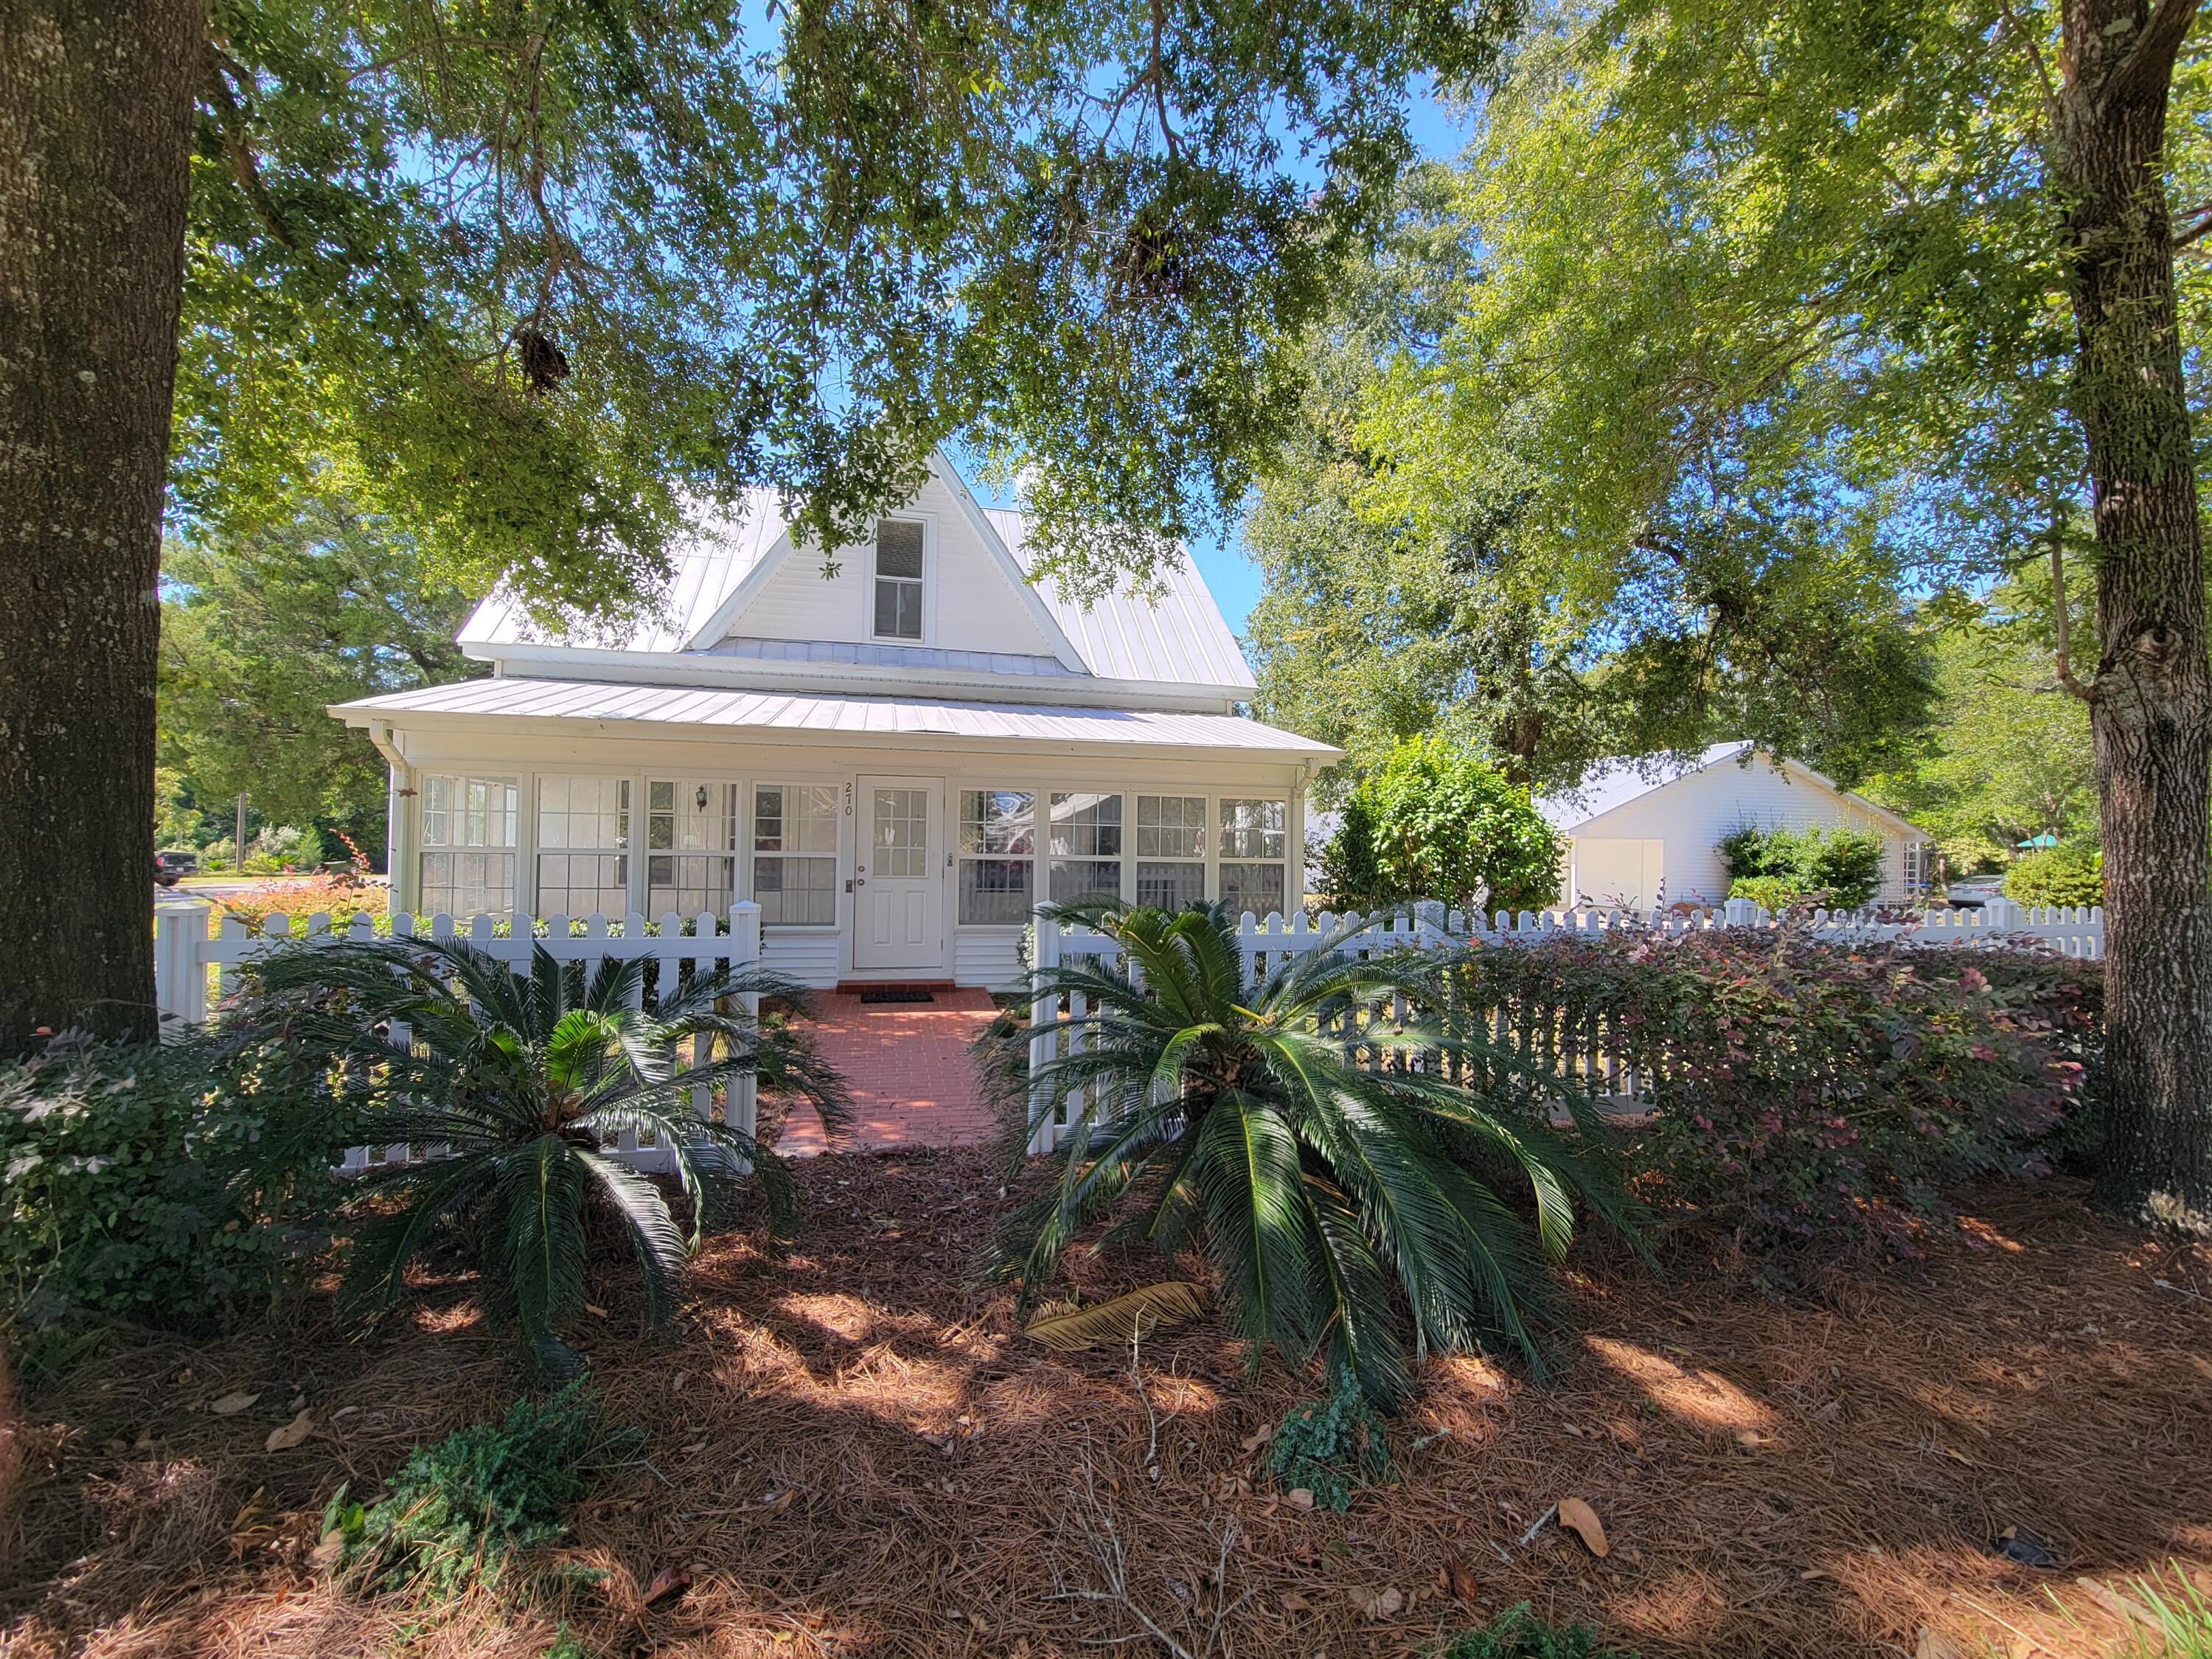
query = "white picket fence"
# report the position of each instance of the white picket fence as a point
(1057, 1022)
(197, 971)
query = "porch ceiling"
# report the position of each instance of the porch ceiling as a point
(788, 717)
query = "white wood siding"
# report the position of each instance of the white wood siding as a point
(1691, 814)
(970, 602)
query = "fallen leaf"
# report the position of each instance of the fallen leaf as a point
(1294, 1602)
(327, 1554)
(595, 1310)
(1252, 1443)
(1299, 1497)
(1581, 1519)
(1456, 1578)
(231, 1404)
(292, 1433)
(1384, 1603)
(669, 1581)
(1932, 1646)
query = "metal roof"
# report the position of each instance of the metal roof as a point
(1178, 638)
(1613, 783)
(853, 718)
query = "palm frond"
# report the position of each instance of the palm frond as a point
(1128, 1317)
(657, 1242)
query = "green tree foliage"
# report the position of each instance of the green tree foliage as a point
(1839, 868)
(1912, 263)
(2071, 875)
(523, 1080)
(1434, 821)
(262, 629)
(2009, 757)
(1352, 1210)
(545, 273)
(1747, 606)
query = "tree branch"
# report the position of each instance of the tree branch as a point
(230, 122)
(2150, 60)
(2059, 621)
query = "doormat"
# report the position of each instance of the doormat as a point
(867, 997)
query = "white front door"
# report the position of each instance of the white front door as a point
(898, 886)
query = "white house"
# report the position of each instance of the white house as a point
(896, 762)
(1644, 832)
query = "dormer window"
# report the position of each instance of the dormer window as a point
(898, 580)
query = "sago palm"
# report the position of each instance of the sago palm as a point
(1343, 1205)
(519, 1083)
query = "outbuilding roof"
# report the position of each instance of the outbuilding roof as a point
(1612, 784)
(793, 717)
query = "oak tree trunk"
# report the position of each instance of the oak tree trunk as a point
(2151, 702)
(95, 105)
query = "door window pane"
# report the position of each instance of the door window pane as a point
(1085, 836)
(795, 854)
(1255, 887)
(898, 839)
(998, 842)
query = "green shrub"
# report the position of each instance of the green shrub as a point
(1825, 864)
(1434, 823)
(126, 1188)
(2069, 875)
(1804, 1089)
(1329, 1446)
(1518, 1633)
(1776, 893)
(467, 1509)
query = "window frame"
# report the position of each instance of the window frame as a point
(1199, 858)
(1226, 859)
(488, 848)
(737, 804)
(1054, 861)
(621, 847)
(752, 853)
(964, 855)
(926, 582)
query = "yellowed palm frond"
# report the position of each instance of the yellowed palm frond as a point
(1065, 1327)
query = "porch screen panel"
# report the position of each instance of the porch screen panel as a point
(690, 846)
(1254, 850)
(1085, 846)
(467, 862)
(795, 853)
(583, 846)
(998, 856)
(1170, 850)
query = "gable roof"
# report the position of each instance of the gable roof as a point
(727, 557)
(1613, 784)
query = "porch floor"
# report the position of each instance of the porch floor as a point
(912, 1083)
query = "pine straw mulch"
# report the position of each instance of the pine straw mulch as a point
(851, 1454)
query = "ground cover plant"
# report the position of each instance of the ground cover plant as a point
(859, 1454)
(1328, 1447)
(466, 1510)
(1518, 1633)
(1800, 1090)
(1354, 1211)
(520, 1081)
(129, 1192)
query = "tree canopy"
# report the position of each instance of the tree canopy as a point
(545, 274)
(262, 630)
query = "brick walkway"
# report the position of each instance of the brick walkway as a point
(912, 1082)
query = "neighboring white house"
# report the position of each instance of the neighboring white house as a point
(1644, 832)
(896, 762)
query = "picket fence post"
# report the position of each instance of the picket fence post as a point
(741, 1105)
(1044, 954)
(180, 933)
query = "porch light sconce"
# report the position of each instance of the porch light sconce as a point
(702, 798)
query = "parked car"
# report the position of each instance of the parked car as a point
(171, 867)
(1973, 892)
